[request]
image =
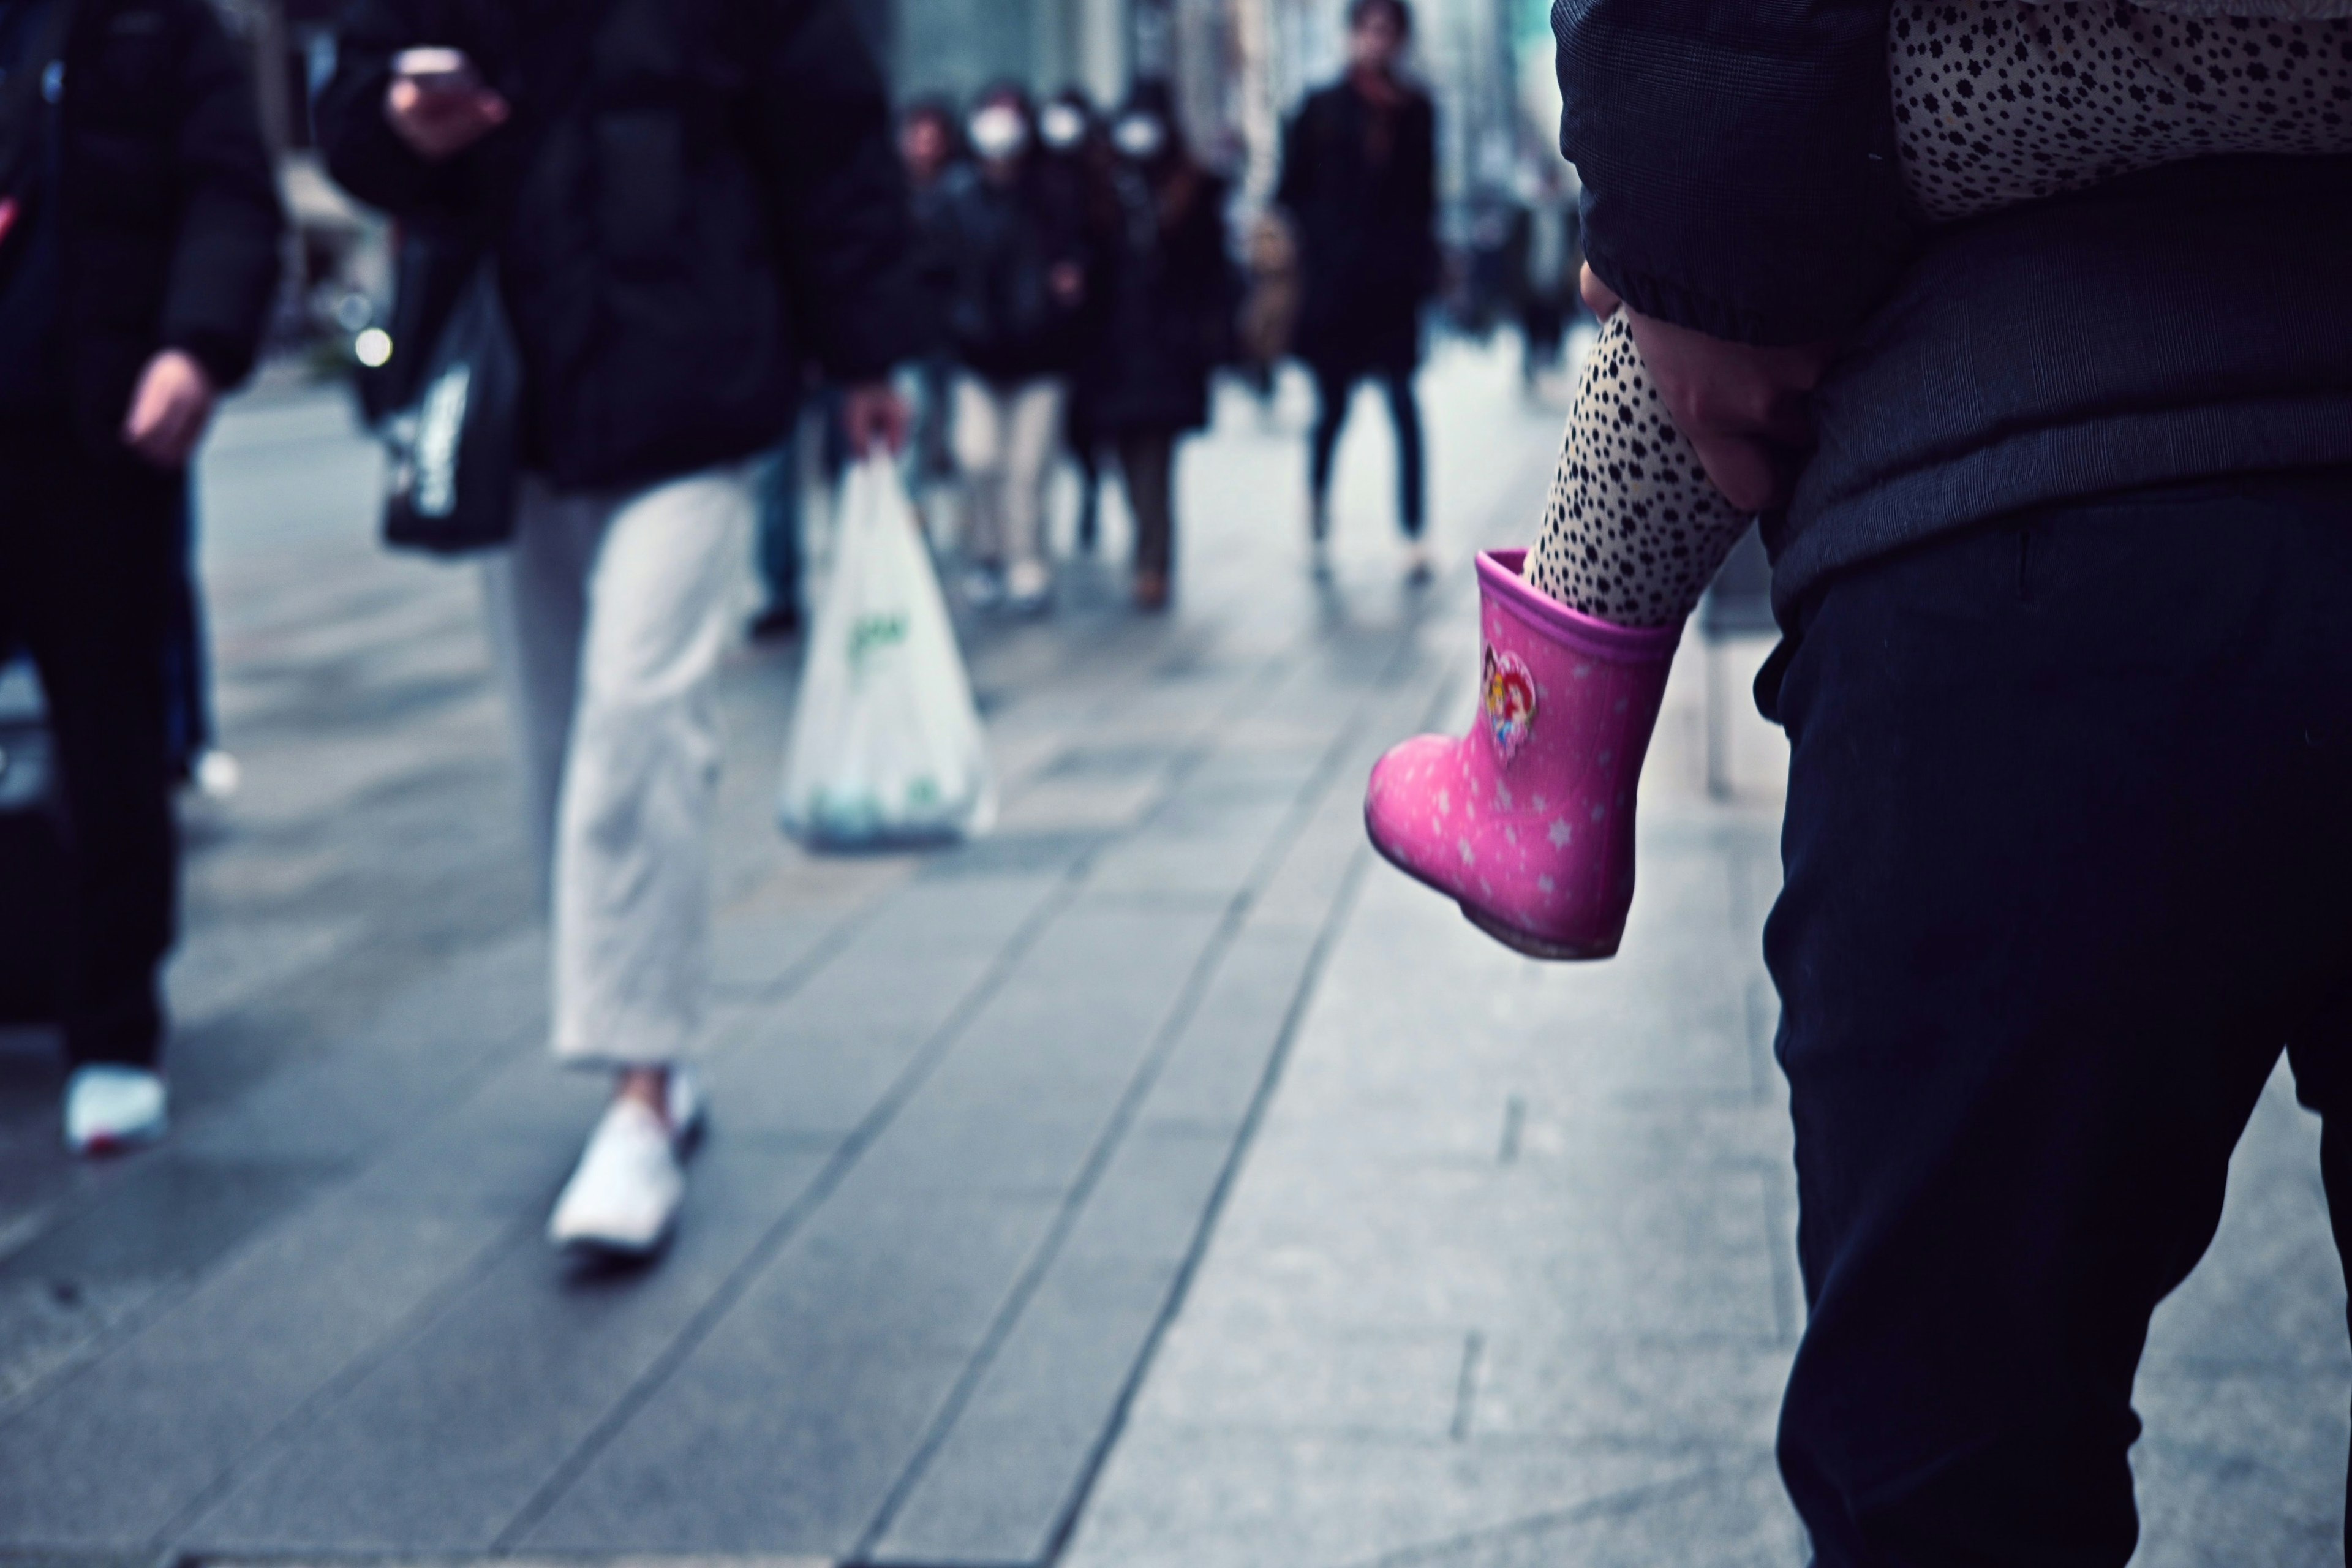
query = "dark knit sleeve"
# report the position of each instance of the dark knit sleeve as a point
(1738, 159)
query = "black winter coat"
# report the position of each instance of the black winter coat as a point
(1366, 230)
(168, 217)
(691, 196)
(1004, 322)
(1167, 300)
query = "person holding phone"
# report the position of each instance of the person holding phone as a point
(139, 258)
(685, 205)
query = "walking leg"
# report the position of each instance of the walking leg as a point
(1145, 463)
(97, 554)
(633, 851)
(1412, 490)
(1332, 390)
(1033, 424)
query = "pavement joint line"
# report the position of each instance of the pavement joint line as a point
(1613, 1504)
(1260, 684)
(828, 1179)
(1310, 976)
(1342, 907)
(1466, 1386)
(1309, 798)
(413, 1324)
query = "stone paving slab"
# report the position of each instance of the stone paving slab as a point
(1507, 1277)
(972, 1108)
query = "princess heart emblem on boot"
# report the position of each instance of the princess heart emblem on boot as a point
(1528, 821)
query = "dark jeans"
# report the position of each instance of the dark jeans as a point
(188, 724)
(89, 563)
(2068, 839)
(776, 528)
(1146, 470)
(1333, 389)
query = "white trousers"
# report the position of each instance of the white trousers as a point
(1004, 437)
(608, 615)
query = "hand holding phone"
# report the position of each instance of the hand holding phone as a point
(438, 103)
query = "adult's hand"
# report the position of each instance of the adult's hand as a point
(438, 123)
(1747, 410)
(874, 416)
(170, 410)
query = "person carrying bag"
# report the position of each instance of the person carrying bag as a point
(682, 205)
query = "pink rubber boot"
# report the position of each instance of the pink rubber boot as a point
(1528, 820)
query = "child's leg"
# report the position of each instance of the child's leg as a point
(1635, 530)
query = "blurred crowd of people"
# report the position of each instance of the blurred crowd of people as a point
(715, 253)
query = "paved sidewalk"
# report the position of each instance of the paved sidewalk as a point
(971, 1108)
(1162, 1180)
(1508, 1277)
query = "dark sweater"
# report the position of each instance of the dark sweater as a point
(1739, 178)
(2191, 322)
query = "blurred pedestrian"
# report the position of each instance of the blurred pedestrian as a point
(139, 257)
(930, 144)
(1076, 154)
(1017, 317)
(682, 202)
(1359, 185)
(1168, 295)
(1544, 257)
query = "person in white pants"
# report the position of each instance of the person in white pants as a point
(608, 616)
(1005, 438)
(667, 290)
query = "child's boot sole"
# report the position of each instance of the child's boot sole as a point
(1525, 943)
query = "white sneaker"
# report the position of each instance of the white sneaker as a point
(1028, 587)
(110, 1108)
(624, 1195)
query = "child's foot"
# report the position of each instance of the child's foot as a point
(1528, 821)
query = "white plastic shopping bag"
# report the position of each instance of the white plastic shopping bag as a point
(885, 744)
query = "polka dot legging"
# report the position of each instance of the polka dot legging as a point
(1996, 102)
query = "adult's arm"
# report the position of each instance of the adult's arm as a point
(1738, 159)
(224, 255)
(821, 124)
(362, 153)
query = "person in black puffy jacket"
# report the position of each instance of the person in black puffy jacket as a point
(685, 203)
(139, 235)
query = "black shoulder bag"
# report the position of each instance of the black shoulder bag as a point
(454, 453)
(453, 456)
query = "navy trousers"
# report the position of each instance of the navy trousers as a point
(2069, 864)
